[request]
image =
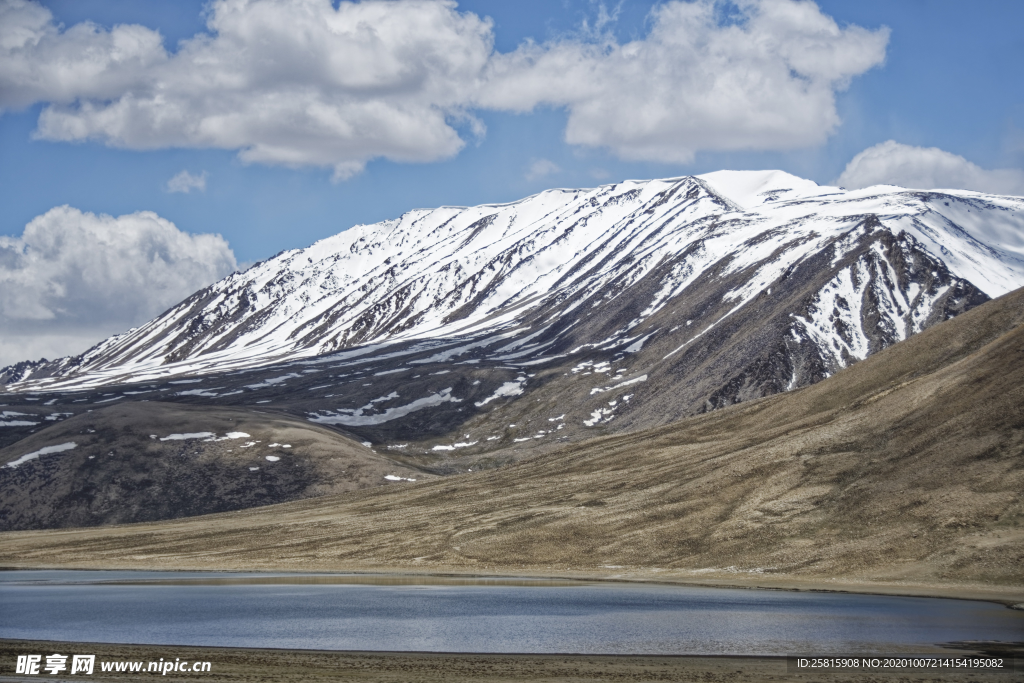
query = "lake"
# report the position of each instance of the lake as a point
(336, 612)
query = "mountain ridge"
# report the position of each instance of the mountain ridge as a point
(482, 260)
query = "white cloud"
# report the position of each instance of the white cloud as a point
(73, 278)
(541, 168)
(186, 182)
(767, 82)
(41, 63)
(292, 82)
(300, 83)
(926, 168)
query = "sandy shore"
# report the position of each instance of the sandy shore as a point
(310, 666)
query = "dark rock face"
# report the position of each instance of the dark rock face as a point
(19, 371)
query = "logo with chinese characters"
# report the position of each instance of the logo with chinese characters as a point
(33, 664)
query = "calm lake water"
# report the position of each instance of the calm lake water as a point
(460, 615)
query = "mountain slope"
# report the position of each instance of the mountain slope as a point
(904, 468)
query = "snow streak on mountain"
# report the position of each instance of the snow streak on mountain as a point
(683, 295)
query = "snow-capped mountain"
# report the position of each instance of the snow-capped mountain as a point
(560, 255)
(664, 297)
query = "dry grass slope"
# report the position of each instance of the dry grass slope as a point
(907, 467)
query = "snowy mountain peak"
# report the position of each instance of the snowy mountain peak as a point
(752, 189)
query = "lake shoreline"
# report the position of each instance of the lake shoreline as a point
(1008, 596)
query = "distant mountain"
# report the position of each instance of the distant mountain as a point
(459, 338)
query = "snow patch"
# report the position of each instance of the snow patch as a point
(461, 444)
(601, 390)
(600, 415)
(206, 393)
(273, 380)
(229, 435)
(507, 389)
(46, 450)
(389, 372)
(639, 343)
(189, 435)
(358, 418)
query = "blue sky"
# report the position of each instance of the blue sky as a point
(924, 74)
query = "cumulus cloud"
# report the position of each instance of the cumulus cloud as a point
(73, 278)
(765, 82)
(293, 82)
(39, 62)
(185, 182)
(926, 168)
(300, 82)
